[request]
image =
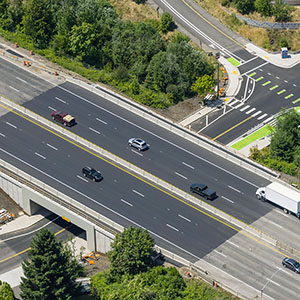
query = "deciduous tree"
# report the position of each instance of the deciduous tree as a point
(130, 252)
(203, 85)
(6, 292)
(38, 22)
(264, 7)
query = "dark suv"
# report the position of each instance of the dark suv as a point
(291, 264)
(92, 174)
(203, 190)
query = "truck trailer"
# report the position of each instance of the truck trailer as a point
(283, 196)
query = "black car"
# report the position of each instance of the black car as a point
(92, 174)
(203, 190)
(291, 264)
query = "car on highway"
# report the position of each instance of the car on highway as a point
(63, 118)
(291, 264)
(203, 190)
(138, 143)
(92, 174)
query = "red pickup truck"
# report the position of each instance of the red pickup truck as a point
(63, 118)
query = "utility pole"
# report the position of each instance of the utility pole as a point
(217, 56)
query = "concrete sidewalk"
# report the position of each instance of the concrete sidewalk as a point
(234, 78)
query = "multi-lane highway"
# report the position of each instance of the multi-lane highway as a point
(129, 200)
(126, 199)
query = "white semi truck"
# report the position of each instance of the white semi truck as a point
(283, 196)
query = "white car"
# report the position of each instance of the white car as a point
(138, 143)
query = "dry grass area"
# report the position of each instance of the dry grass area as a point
(129, 10)
(259, 36)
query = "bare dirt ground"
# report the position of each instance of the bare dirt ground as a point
(181, 110)
(9, 204)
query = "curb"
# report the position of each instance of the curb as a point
(163, 184)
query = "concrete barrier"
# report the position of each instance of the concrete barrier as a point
(242, 227)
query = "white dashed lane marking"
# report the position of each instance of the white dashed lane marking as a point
(231, 187)
(101, 121)
(9, 124)
(188, 165)
(140, 194)
(184, 218)
(40, 155)
(124, 201)
(180, 175)
(172, 227)
(61, 100)
(54, 148)
(81, 178)
(94, 130)
(227, 199)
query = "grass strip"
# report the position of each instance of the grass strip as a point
(258, 134)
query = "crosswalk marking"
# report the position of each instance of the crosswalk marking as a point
(269, 119)
(239, 105)
(274, 87)
(234, 102)
(258, 79)
(244, 108)
(257, 113)
(261, 117)
(250, 111)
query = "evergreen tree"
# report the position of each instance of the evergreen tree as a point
(51, 270)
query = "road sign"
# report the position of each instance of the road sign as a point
(217, 55)
(272, 42)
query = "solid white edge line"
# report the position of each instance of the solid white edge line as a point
(100, 204)
(24, 234)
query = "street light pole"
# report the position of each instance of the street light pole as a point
(217, 56)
